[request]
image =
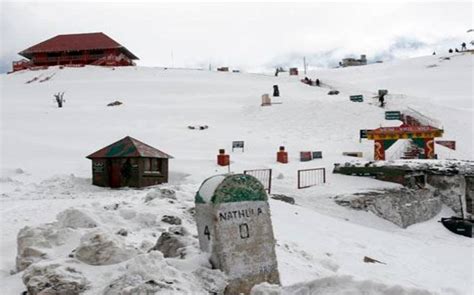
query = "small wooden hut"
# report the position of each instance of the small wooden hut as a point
(129, 162)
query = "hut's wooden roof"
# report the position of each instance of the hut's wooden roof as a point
(129, 147)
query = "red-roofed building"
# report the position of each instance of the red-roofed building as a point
(76, 49)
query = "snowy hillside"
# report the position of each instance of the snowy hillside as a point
(44, 170)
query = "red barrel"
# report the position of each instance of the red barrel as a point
(282, 155)
(222, 158)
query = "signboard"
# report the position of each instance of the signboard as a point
(317, 155)
(266, 101)
(98, 167)
(357, 98)
(306, 156)
(353, 154)
(363, 133)
(393, 115)
(383, 92)
(234, 225)
(450, 144)
(238, 145)
(293, 71)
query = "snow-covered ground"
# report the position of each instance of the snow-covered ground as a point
(44, 170)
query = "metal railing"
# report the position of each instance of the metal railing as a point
(263, 175)
(68, 58)
(311, 177)
(422, 119)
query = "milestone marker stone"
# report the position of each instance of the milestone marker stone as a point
(234, 225)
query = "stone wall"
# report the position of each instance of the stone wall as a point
(403, 207)
(450, 189)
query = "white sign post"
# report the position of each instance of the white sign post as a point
(234, 225)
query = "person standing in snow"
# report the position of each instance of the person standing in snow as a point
(317, 82)
(382, 100)
(463, 46)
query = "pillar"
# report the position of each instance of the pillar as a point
(429, 148)
(379, 150)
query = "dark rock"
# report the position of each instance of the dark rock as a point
(178, 230)
(169, 244)
(333, 92)
(171, 219)
(115, 103)
(371, 260)
(123, 232)
(283, 198)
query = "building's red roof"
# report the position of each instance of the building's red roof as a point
(129, 147)
(76, 42)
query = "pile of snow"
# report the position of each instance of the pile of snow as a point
(337, 285)
(44, 172)
(126, 263)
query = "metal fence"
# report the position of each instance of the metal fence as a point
(264, 176)
(311, 177)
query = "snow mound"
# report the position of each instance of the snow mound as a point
(337, 285)
(101, 248)
(151, 273)
(75, 218)
(33, 242)
(162, 193)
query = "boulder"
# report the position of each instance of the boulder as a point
(100, 248)
(54, 278)
(171, 244)
(213, 281)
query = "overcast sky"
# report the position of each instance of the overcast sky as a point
(249, 36)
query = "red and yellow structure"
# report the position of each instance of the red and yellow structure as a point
(385, 137)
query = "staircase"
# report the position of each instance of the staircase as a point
(412, 151)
